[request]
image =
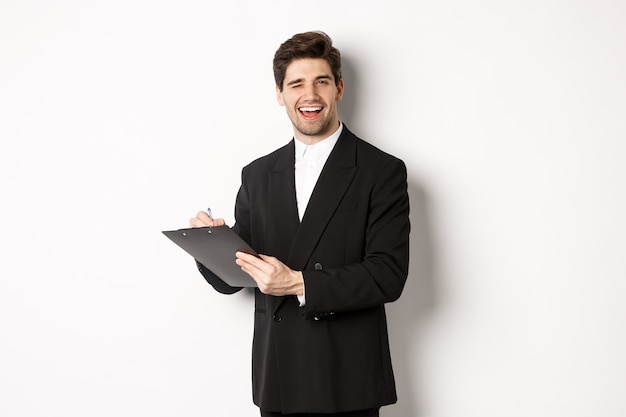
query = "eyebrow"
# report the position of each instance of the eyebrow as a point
(300, 80)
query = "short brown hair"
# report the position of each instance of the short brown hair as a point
(306, 45)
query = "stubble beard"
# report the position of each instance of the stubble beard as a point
(318, 127)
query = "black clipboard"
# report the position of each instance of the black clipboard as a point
(215, 247)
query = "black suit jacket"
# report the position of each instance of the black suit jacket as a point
(331, 355)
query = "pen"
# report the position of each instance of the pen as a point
(208, 210)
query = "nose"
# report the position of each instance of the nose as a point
(310, 91)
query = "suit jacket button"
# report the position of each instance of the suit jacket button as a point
(318, 266)
(277, 318)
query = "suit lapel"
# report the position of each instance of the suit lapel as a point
(282, 189)
(334, 180)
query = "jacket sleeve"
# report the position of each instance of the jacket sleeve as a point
(218, 284)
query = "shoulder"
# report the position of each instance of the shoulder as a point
(367, 153)
(273, 160)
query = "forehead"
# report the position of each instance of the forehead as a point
(307, 68)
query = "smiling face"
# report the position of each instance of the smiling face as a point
(310, 95)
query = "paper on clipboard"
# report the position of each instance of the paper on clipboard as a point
(215, 247)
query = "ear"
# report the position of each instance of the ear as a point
(279, 96)
(339, 94)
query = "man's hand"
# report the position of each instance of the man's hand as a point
(271, 275)
(203, 219)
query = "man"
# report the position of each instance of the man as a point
(329, 214)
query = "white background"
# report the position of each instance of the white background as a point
(120, 119)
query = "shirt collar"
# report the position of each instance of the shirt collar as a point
(324, 146)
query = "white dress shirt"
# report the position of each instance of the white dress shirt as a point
(310, 160)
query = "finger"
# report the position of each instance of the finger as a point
(204, 218)
(252, 260)
(270, 259)
(249, 269)
(196, 222)
(246, 256)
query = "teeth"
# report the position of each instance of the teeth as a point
(310, 109)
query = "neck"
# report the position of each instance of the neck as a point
(313, 139)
